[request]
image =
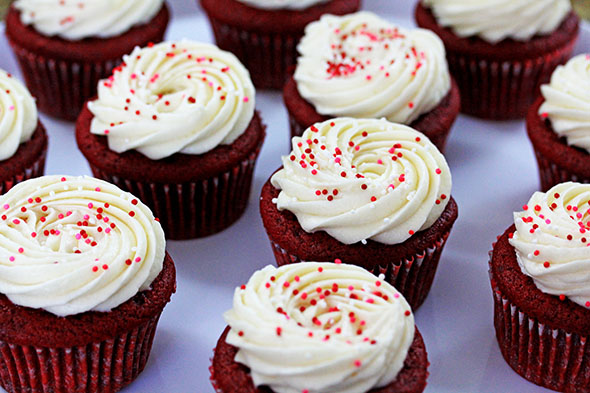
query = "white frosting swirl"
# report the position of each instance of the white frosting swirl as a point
(18, 115)
(74, 244)
(495, 20)
(361, 179)
(174, 97)
(78, 19)
(567, 101)
(362, 66)
(320, 327)
(552, 239)
(282, 4)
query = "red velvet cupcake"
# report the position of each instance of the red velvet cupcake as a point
(176, 126)
(303, 328)
(65, 48)
(356, 190)
(558, 125)
(539, 274)
(362, 66)
(23, 140)
(500, 61)
(264, 34)
(85, 279)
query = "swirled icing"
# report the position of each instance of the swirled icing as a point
(552, 239)
(18, 115)
(282, 4)
(495, 20)
(320, 327)
(567, 101)
(174, 97)
(74, 244)
(78, 19)
(362, 66)
(360, 179)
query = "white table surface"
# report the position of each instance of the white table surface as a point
(494, 173)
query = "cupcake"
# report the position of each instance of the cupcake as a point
(541, 285)
(501, 53)
(84, 277)
(175, 124)
(23, 140)
(264, 34)
(366, 192)
(319, 327)
(65, 47)
(558, 125)
(362, 66)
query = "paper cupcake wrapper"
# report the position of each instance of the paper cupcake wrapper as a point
(502, 89)
(193, 209)
(266, 56)
(104, 366)
(35, 170)
(551, 174)
(412, 277)
(549, 357)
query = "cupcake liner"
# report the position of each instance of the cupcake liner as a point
(104, 366)
(551, 174)
(549, 357)
(36, 169)
(61, 87)
(502, 90)
(266, 56)
(412, 277)
(193, 209)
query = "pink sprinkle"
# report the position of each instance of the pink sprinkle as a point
(357, 363)
(337, 261)
(6, 207)
(60, 216)
(16, 222)
(90, 205)
(97, 189)
(86, 216)
(246, 99)
(107, 230)
(396, 295)
(78, 236)
(351, 288)
(87, 241)
(21, 250)
(380, 162)
(11, 259)
(138, 259)
(11, 107)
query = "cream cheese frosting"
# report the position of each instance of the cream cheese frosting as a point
(496, 20)
(360, 65)
(18, 115)
(174, 97)
(552, 239)
(567, 101)
(321, 328)
(282, 4)
(360, 179)
(74, 244)
(79, 19)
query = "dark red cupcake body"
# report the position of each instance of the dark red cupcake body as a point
(541, 337)
(265, 41)
(63, 74)
(192, 195)
(557, 161)
(410, 266)
(500, 81)
(228, 376)
(436, 124)
(89, 352)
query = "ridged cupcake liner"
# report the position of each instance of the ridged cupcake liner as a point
(266, 56)
(193, 209)
(104, 366)
(553, 358)
(413, 276)
(502, 90)
(61, 87)
(35, 170)
(551, 174)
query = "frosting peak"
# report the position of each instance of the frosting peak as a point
(362, 66)
(74, 244)
(567, 101)
(174, 97)
(18, 115)
(495, 20)
(552, 238)
(320, 327)
(360, 179)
